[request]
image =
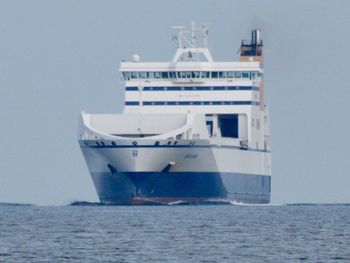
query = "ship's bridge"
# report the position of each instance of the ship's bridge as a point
(195, 86)
(192, 81)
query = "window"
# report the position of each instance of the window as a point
(253, 75)
(143, 75)
(134, 75)
(157, 75)
(158, 88)
(126, 75)
(181, 74)
(195, 74)
(190, 88)
(223, 74)
(238, 74)
(164, 75)
(246, 75)
(172, 75)
(204, 74)
(214, 75)
(150, 75)
(230, 74)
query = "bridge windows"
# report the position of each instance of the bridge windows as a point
(245, 75)
(143, 75)
(230, 74)
(150, 75)
(238, 74)
(222, 74)
(192, 88)
(171, 75)
(184, 74)
(196, 74)
(204, 74)
(127, 75)
(157, 75)
(134, 75)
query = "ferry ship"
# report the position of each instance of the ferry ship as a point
(192, 130)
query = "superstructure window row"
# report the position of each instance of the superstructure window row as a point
(194, 103)
(191, 75)
(198, 88)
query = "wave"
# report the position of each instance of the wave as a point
(202, 203)
(14, 204)
(175, 203)
(85, 203)
(318, 204)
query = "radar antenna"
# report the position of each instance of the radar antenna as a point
(188, 38)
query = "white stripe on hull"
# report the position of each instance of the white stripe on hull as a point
(187, 159)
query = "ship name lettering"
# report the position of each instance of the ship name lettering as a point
(191, 156)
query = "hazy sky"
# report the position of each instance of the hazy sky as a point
(60, 57)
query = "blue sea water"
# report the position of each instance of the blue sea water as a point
(221, 233)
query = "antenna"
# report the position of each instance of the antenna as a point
(179, 32)
(193, 34)
(205, 33)
(189, 37)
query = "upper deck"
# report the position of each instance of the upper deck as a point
(192, 81)
(226, 97)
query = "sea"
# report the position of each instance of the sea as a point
(178, 233)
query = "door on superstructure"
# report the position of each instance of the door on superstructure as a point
(228, 124)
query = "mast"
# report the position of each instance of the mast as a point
(192, 43)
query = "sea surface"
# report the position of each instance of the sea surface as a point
(205, 233)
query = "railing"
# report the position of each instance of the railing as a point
(250, 43)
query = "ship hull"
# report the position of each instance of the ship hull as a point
(138, 175)
(137, 188)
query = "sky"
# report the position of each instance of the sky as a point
(58, 58)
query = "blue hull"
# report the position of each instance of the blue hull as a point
(191, 187)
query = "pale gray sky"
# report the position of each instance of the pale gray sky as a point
(60, 57)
